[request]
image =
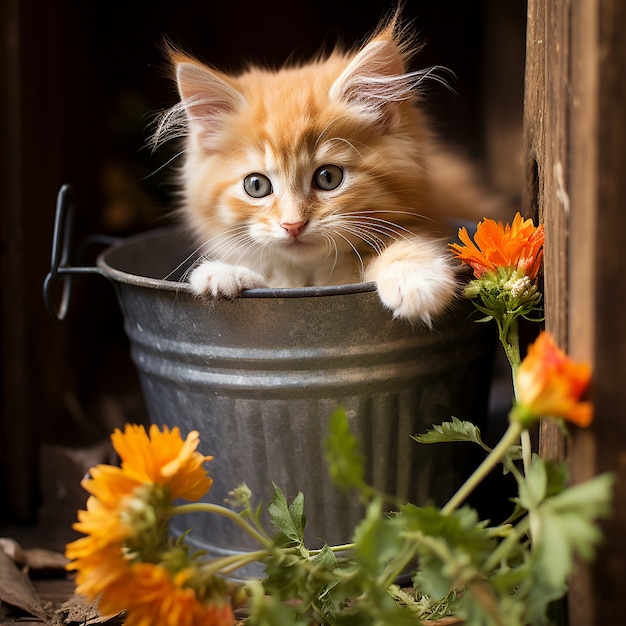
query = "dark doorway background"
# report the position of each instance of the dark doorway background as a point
(81, 82)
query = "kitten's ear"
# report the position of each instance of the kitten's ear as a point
(375, 80)
(207, 98)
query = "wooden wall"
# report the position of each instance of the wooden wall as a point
(575, 134)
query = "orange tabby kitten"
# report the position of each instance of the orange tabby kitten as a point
(319, 174)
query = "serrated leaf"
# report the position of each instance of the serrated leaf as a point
(325, 559)
(452, 547)
(343, 453)
(533, 489)
(460, 529)
(591, 498)
(574, 512)
(456, 430)
(567, 525)
(288, 519)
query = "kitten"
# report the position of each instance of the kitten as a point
(319, 174)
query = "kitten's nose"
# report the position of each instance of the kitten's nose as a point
(294, 228)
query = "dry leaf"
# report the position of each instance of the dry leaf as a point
(12, 549)
(17, 591)
(44, 563)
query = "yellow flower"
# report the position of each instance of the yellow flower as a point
(153, 597)
(163, 458)
(125, 521)
(549, 383)
(516, 246)
(98, 556)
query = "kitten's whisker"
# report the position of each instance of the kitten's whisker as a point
(347, 142)
(187, 259)
(226, 242)
(366, 237)
(321, 138)
(385, 228)
(331, 247)
(261, 265)
(372, 233)
(392, 212)
(164, 165)
(358, 255)
(248, 245)
(218, 245)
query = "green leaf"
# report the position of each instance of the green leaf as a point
(451, 547)
(456, 430)
(288, 519)
(515, 453)
(376, 539)
(533, 489)
(574, 511)
(566, 526)
(268, 610)
(325, 558)
(343, 453)
(544, 480)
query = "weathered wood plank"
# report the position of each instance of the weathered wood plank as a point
(545, 195)
(576, 133)
(598, 294)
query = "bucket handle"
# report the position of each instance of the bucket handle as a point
(60, 269)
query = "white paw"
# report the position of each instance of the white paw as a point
(416, 284)
(413, 296)
(221, 280)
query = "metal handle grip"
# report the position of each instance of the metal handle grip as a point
(60, 269)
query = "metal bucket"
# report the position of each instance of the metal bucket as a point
(259, 377)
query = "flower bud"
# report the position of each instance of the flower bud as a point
(549, 384)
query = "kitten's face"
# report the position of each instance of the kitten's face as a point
(321, 174)
(298, 162)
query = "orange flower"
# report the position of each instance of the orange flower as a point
(127, 512)
(549, 383)
(517, 246)
(163, 458)
(154, 597)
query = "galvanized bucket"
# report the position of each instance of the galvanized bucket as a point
(260, 375)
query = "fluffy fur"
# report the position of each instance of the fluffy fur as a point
(318, 174)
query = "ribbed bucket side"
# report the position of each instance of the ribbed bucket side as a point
(260, 377)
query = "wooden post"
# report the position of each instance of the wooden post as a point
(545, 194)
(575, 129)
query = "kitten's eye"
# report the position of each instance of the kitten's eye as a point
(257, 185)
(328, 177)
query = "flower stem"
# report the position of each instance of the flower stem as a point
(340, 548)
(397, 567)
(526, 450)
(207, 507)
(228, 564)
(506, 544)
(510, 437)
(509, 338)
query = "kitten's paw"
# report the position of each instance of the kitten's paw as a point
(417, 284)
(215, 279)
(413, 296)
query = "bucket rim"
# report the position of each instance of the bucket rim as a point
(107, 267)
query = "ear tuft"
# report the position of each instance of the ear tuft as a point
(376, 81)
(207, 98)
